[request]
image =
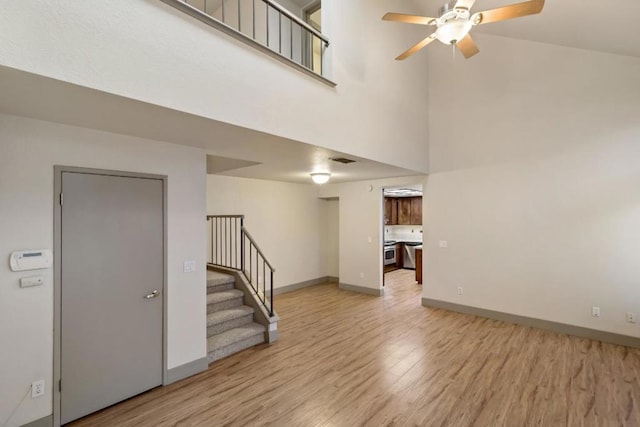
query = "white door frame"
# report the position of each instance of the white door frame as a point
(57, 271)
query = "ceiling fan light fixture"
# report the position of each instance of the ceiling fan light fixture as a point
(453, 31)
(320, 177)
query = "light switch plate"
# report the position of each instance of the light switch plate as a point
(189, 266)
(443, 244)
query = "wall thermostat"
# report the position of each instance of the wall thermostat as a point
(31, 260)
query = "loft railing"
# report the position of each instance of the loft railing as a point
(231, 246)
(266, 23)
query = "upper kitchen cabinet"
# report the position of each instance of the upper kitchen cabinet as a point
(403, 206)
(404, 211)
(390, 211)
(416, 211)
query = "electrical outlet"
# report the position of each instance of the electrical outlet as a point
(631, 317)
(443, 244)
(460, 290)
(595, 311)
(362, 275)
(37, 388)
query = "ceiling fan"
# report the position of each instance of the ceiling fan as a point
(454, 23)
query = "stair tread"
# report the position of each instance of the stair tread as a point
(228, 314)
(215, 278)
(220, 287)
(224, 296)
(234, 335)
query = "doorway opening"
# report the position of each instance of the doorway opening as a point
(402, 231)
(330, 240)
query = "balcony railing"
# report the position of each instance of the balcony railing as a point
(266, 25)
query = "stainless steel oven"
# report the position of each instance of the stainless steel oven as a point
(389, 254)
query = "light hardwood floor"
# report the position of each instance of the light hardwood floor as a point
(348, 359)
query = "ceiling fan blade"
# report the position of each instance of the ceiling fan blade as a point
(409, 19)
(464, 4)
(517, 10)
(416, 47)
(467, 46)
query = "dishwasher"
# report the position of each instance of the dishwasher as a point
(409, 258)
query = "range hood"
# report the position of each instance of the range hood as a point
(401, 192)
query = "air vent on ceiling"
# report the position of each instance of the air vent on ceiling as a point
(342, 160)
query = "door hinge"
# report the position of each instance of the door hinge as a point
(59, 385)
(61, 199)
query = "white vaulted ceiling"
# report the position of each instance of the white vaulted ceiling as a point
(605, 26)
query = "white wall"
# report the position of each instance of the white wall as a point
(28, 151)
(285, 219)
(361, 233)
(149, 51)
(537, 183)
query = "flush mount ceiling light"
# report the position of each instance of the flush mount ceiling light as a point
(320, 177)
(454, 23)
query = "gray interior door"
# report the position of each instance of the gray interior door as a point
(112, 261)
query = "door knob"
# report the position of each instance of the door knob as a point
(152, 295)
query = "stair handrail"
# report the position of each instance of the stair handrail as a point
(229, 239)
(251, 239)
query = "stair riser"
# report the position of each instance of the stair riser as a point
(219, 288)
(224, 305)
(229, 324)
(235, 347)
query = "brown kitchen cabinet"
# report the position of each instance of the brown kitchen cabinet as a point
(390, 211)
(399, 255)
(416, 211)
(419, 266)
(404, 211)
(409, 211)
